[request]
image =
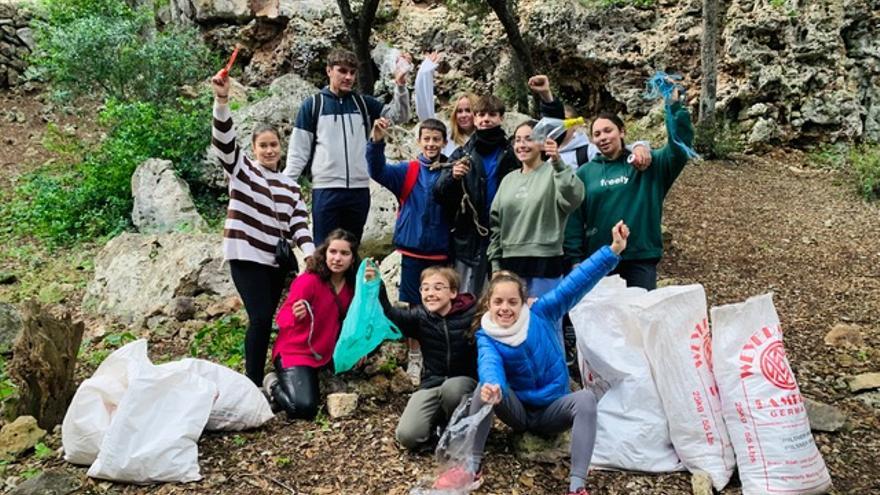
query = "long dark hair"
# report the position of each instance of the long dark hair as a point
(483, 304)
(318, 262)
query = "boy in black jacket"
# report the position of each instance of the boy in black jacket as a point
(442, 325)
(466, 190)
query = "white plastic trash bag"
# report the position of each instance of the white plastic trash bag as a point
(239, 404)
(679, 347)
(632, 432)
(762, 404)
(153, 435)
(389, 60)
(96, 402)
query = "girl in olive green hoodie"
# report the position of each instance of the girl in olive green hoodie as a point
(615, 190)
(528, 215)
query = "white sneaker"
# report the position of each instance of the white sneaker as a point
(414, 367)
(269, 381)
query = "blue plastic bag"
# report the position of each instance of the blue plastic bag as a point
(365, 325)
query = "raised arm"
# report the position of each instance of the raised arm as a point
(583, 278)
(569, 189)
(223, 138)
(671, 159)
(424, 87)
(391, 177)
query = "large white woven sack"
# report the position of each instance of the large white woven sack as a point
(762, 403)
(154, 434)
(632, 432)
(96, 401)
(239, 404)
(679, 347)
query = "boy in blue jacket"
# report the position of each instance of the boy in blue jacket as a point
(421, 233)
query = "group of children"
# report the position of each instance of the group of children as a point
(510, 222)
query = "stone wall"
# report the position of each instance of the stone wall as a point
(16, 42)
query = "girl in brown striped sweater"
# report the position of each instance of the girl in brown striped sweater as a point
(264, 206)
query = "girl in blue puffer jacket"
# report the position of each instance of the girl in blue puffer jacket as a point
(522, 365)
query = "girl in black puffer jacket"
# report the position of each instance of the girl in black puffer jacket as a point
(442, 325)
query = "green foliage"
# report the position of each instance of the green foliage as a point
(865, 161)
(41, 451)
(861, 161)
(717, 138)
(469, 8)
(7, 388)
(221, 341)
(89, 46)
(93, 198)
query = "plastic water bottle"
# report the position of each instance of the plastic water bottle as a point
(550, 128)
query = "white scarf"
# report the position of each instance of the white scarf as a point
(513, 335)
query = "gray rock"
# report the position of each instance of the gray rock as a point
(310, 10)
(222, 10)
(26, 35)
(844, 334)
(52, 482)
(341, 405)
(871, 399)
(379, 230)
(824, 417)
(865, 381)
(10, 326)
(162, 201)
(763, 131)
(549, 450)
(390, 270)
(137, 275)
(181, 308)
(19, 436)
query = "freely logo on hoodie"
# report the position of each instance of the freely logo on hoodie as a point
(613, 182)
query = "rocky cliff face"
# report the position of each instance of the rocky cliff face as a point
(790, 72)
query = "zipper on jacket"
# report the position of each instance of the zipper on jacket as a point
(344, 145)
(448, 347)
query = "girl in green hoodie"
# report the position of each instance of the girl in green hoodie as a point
(615, 190)
(528, 214)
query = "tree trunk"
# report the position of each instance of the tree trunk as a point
(708, 51)
(359, 27)
(43, 362)
(520, 49)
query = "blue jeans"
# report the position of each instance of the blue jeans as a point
(339, 208)
(638, 273)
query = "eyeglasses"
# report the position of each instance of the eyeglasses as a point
(435, 288)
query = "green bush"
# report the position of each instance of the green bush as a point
(221, 341)
(865, 161)
(93, 198)
(120, 57)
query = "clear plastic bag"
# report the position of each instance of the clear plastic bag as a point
(454, 450)
(390, 60)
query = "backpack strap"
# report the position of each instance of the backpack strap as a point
(317, 107)
(582, 154)
(362, 108)
(409, 182)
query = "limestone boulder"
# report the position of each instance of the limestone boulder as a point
(390, 270)
(341, 405)
(379, 230)
(139, 275)
(50, 482)
(278, 109)
(19, 436)
(162, 200)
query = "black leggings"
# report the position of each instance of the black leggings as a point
(260, 288)
(296, 390)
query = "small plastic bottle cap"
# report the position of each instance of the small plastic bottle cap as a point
(631, 158)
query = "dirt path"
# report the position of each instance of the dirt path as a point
(740, 228)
